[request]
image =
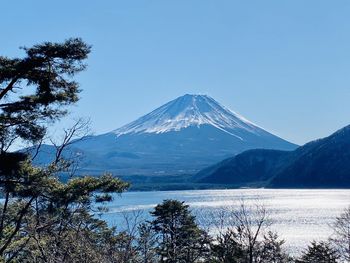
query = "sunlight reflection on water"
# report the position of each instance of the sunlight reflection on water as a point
(299, 216)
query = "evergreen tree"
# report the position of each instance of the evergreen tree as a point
(271, 250)
(180, 239)
(147, 242)
(227, 248)
(38, 208)
(319, 252)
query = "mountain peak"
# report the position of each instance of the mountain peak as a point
(192, 99)
(180, 137)
(186, 111)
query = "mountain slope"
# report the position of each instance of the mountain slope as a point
(253, 166)
(190, 110)
(321, 163)
(180, 137)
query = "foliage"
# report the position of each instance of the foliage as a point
(319, 252)
(41, 217)
(46, 74)
(271, 250)
(341, 236)
(227, 248)
(181, 240)
(147, 243)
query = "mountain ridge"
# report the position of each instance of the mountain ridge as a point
(320, 163)
(180, 137)
(185, 111)
(189, 110)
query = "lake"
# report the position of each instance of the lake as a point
(299, 216)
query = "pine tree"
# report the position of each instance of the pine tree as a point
(227, 248)
(319, 252)
(147, 242)
(271, 250)
(180, 239)
(34, 92)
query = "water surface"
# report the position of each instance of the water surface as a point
(299, 216)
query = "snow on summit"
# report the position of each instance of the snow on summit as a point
(187, 111)
(179, 138)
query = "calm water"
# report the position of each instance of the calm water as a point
(299, 216)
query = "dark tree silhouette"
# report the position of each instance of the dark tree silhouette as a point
(341, 236)
(34, 91)
(180, 239)
(319, 252)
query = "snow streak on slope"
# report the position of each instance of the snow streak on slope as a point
(186, 111)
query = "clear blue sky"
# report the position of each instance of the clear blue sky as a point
(284, 65)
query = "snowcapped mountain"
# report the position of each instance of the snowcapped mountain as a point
(180, 137)
(186, 111)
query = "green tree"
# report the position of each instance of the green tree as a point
(180, 239)
(44, 78)
(146, 243)
(227, 248)
(319, 252)
(38, 208)
(271, 250)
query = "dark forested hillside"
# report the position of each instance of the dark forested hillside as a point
(322, 163)
(248, 167)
